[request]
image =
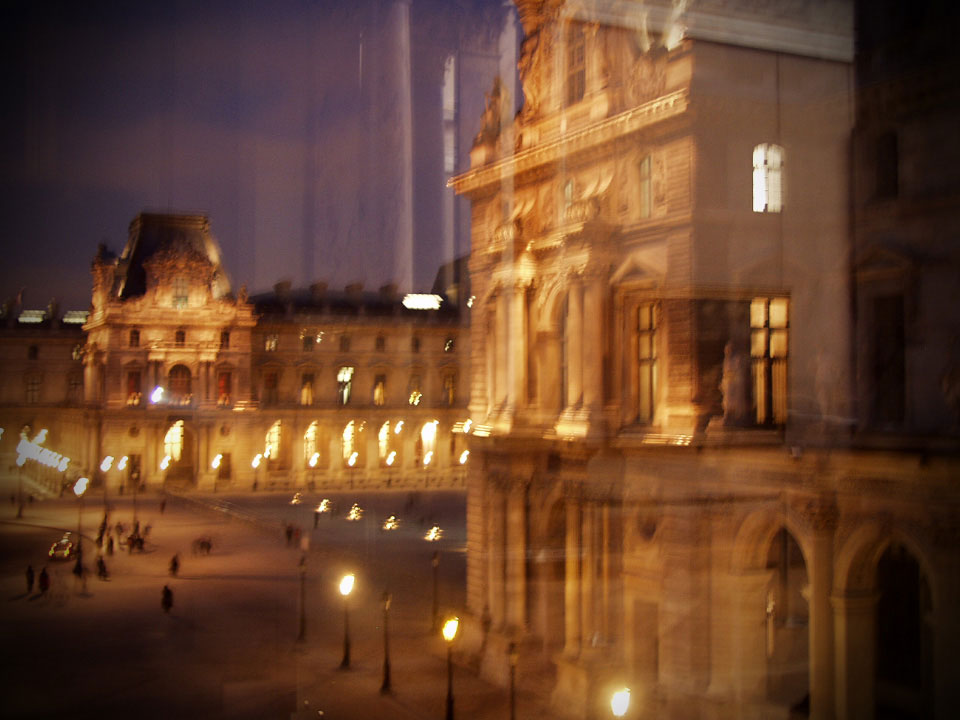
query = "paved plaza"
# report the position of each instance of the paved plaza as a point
(229, 648)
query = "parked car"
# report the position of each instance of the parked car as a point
(62, 549)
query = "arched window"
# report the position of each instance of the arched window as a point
(271, 443)
(427, 442)
(173, 442)
(576, 63)
(310, 445)
(386, 449)
(344, 384)
(767, 178)
(179, 385)
(352, 444)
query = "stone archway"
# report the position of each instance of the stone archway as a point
(178, 452)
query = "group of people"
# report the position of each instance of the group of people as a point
(43, 581)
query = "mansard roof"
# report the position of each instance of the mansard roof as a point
(160, 236)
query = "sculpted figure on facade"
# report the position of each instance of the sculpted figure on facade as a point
(734, 386)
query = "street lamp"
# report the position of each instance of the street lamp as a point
(449, 633)
(620, 701)
(255, 464)
(385, 686)
(436, 566)
(79, 489)
(346, 587)
(21, 461)
(513, 656)
(215, 465)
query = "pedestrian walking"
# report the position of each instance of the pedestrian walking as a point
(102, 568)
(29, 579)
(316, 518)
(43, 581)
(166, 598)
(110, 545)
(174, 565)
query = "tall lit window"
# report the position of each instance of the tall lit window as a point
(134, 388)
(179, 385)
(271, 383)
(223, 387)
(769, 325)
(271, 342)
(427, 443)
(134, 338)
(33, 389)
(308, 341)
(576, 63)
(647, 368)
(645, 188)
(306, 389)
(380, 390)
(385, 451)
(449, 388)
(414, 390)
(767, 178)
(351, 444)
(310, 442)
(271, 442)
(181, 292)
(173, 441)
(344, 384)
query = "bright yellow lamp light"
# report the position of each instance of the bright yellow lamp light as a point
(346, 584)
(123, 463)
(216, 461)
(450, 628)
(620, 702)
(81, 486)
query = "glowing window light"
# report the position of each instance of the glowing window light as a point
(767, 178)
(391, 458)
(352, 460)
(123, 463)
(314, 459)
(107, 463)
(257, 459)
(173, 441)
(272, 441)
(398, 428)
(422, 301)
(383, 441)
(427, 458)
(157, 394)
(31, 317)
(620, 701)
(310, 441)
(348, 440)
(216, 461)
(165, 463)
(463, 457)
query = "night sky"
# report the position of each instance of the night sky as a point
(212, 107)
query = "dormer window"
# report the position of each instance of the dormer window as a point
(181, 293)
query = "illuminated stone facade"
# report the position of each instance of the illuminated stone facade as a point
(190, 381)
(672, 486)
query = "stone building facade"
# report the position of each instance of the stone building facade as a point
(184, 382)
(675, 485)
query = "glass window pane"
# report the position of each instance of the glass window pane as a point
(758, 343)
(778, 312)
(758, 313)
(778, 343)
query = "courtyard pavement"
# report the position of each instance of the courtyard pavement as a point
(229, 648)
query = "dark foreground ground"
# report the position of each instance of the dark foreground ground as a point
(229, 648)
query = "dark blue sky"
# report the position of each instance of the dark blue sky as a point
(252, 112)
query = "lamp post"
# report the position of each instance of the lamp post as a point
(385, 686)
(450, 628)
(215, 466)
(79, 489)
(303, 599)
(619, 702)
(435, 562)
(346, 587)
(255, 464)
(513, 656)
(20, 463)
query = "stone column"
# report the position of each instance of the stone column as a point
(574, 340)
(91, 377)
(855, 620)
(589, 622)
(571, 585)
(518, 347)
(495, 566)
(749, 637)
(820, 571)
(592, 327)
(516, 554)
(501, 390)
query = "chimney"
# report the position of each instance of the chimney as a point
(388, 292)
(318, 291)
(354, 290)
(282, 289)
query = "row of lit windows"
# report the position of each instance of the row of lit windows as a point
(769, 329)
(179, 338)
(309, 339)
